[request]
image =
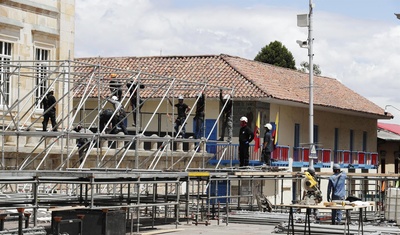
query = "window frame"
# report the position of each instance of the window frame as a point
(43, 55)
(6, 49)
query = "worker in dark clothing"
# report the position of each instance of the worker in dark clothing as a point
(183, 109)
(81, 143)
(119, 113)
(134, 99)
(227, 121)
(115, 87)
(199, 117)
(246, 135)
(49, 106)
(268, 145)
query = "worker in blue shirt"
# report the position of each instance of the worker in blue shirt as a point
(337, 191)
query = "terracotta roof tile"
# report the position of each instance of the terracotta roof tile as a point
(250, 79)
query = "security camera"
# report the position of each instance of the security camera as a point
(302, 43)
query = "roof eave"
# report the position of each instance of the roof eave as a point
(331, 109)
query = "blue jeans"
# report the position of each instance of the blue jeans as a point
(337, 214)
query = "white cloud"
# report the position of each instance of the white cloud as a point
(362, 54)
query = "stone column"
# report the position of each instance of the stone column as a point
(154, 146)
(120, 143)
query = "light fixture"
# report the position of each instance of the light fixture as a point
(386, 106)
(397, 15)
(302, 44)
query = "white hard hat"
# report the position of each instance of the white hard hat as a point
(51, 89)
(268, 126)
(114, 97)
(180, 97)
(243, 119)
(227, 96)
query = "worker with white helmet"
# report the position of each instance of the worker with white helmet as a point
(120, 114)
(337, 191)
(183, 110)
(227, 120)
(268, 144)
(246, 135)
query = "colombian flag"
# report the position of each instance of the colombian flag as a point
(257, 134)
(275, 130)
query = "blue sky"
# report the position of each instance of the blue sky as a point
(355, 41)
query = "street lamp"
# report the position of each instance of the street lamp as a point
(397, 15)
(386, 112)
(305, 20)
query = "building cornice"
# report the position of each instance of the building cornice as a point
(31, 6)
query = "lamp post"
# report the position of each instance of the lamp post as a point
(306, 21)
(386, 106)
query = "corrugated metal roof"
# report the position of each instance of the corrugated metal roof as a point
(394, 128)
(387, 135)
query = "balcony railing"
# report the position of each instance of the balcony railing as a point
(228, 154)
(346, 158)
(357, 159)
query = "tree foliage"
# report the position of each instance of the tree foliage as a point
(305, 67)
(276, 54)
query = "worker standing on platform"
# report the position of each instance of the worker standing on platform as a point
(49, 107)
(82, 143)
(227, 120)
(183, 110)
(120, 113)
(337, 191)
(246, 135)
(268, 145)
(199, 117)
(134, 91)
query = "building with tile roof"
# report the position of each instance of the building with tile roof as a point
(344, 120)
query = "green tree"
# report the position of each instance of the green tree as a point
(304, 67)
(276, 54)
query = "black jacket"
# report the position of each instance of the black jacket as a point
(245, 135)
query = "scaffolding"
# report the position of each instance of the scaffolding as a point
(82, 91)
(43, 169)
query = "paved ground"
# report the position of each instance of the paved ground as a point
(222, 229)
(191, 229)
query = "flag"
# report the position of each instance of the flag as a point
(275, 130)
(257, 134)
